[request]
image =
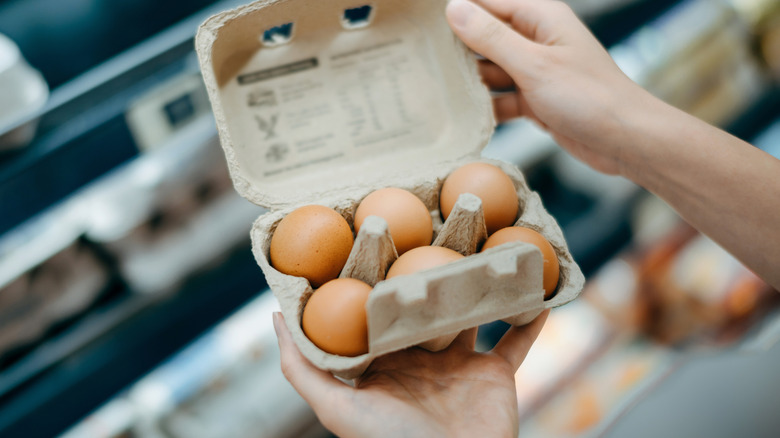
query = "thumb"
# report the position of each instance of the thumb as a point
(490, 37)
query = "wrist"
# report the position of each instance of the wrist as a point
(646, 122)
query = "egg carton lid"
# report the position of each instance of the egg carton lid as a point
(315, 99)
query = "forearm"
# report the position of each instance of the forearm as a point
(726, 188)
(721, 185)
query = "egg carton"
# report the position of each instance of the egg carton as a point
(430, 308)
(325, 102)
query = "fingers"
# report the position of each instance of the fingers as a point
(516, 342)
(507, 9)
(317, 387)
(524, 15)
(495, 77)
(513, 105)
(535, 19)
(467, 339)
(505, 100)
(490, 37)
(506, 107)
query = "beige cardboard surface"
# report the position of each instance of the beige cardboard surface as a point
(398, 103)
(334, 109)
(372, 253)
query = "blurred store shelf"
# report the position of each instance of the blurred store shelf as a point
(91, 122)
(135, 335)
(227, 382)
(121, 213)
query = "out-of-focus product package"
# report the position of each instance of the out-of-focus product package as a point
(697, 57)
(48, 274)
(23, 91)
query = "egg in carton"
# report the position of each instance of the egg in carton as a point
(326, 102)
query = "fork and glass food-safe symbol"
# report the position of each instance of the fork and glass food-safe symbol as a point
(267, 125)
(277, 151)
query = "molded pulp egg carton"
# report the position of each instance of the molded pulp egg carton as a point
(324, 102)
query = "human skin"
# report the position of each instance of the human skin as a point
(456, 392)
(567, 82)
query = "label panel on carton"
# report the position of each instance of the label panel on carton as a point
(362, 96)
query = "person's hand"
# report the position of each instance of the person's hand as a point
(564, 79)
(417, 393)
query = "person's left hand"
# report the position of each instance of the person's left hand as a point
(417, 393)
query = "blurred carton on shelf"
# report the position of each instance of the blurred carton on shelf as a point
(326, 102)
(763, 17)
(679, 287)
(701, 291)
(572, 338)
(603, 389)
(48, 274)
(169, 215)
(698, 56)
(23, 91)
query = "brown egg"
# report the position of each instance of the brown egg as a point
(522, 234)
(491, 185)
(408, 220)
(312, 242)
(422, 258)
(334, 318)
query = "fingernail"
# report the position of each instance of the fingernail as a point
(460, 11)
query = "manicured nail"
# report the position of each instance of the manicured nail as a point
(460, 11)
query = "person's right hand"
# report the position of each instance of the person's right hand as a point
(569, 84)
(565, 79)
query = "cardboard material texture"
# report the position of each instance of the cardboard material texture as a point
(325, 102)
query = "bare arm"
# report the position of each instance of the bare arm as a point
(567, 82)
(726, 188)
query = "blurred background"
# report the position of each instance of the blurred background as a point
(131, 306)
